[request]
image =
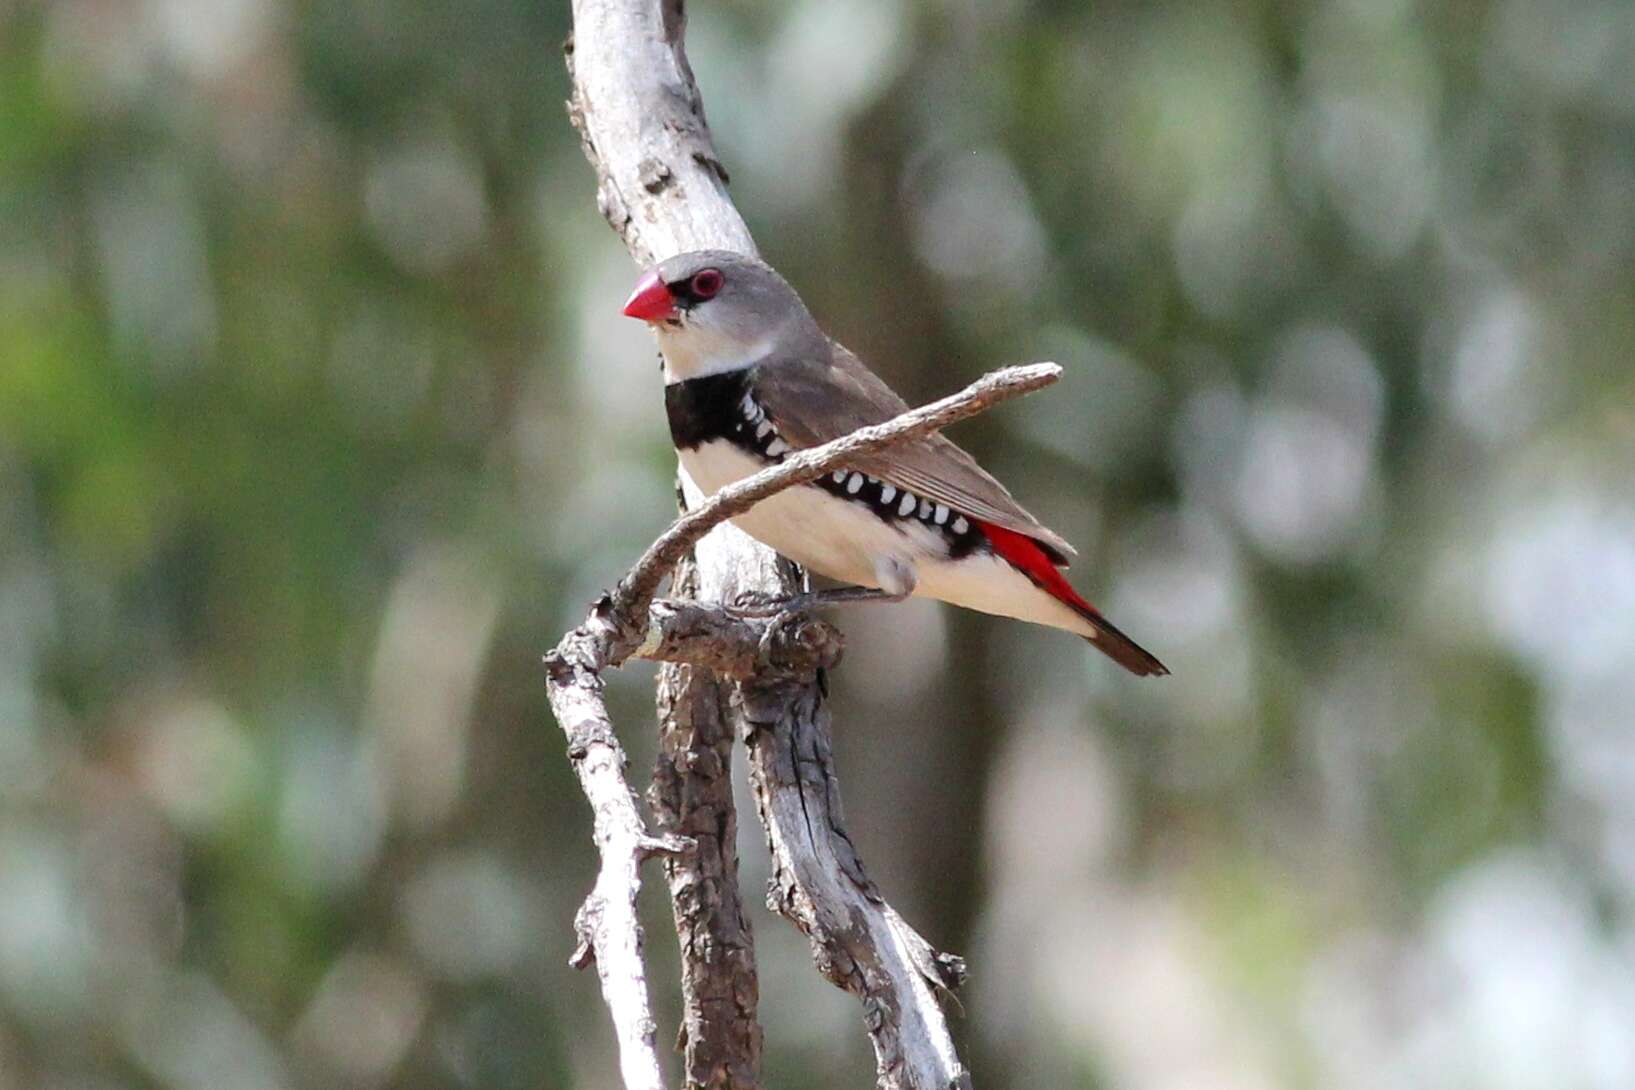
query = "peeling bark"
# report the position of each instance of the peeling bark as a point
(662, 187)
(691, 796)
(858, 941)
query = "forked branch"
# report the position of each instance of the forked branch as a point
(661, 186)
(769, 653)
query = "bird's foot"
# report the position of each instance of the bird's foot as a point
(796, 603)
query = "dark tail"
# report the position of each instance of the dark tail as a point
(1031, 560)
(1119, 647)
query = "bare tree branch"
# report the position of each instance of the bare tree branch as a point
(608, 929)
(638, 110)
(630, 622)
(691, 795)
(662, 188)
(638, 587)
(859, 942)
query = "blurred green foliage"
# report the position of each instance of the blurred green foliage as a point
(318, 423)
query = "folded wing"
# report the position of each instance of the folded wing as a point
(815, 400)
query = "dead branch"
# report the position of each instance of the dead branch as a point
(637, 588)
(663, 189)
(822, 884)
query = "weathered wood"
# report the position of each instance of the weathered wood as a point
(662, 188)
(858, 941)
(609, 932)
(636, 589)
(691, 795)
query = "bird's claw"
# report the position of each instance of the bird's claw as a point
(751, 604)
(758, 605)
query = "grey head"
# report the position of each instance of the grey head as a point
(729, 311)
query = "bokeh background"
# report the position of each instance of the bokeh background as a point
(318, 423)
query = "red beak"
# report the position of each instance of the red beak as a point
(651, 301)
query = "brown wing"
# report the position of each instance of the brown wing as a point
(815, 400)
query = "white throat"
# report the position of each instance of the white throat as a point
(696, 351)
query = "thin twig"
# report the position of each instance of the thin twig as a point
(638, 587)
(609, 932)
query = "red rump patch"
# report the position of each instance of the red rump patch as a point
(1031, 559)
(1022, 551)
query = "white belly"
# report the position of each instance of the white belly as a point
(844, 541)
(830, 536)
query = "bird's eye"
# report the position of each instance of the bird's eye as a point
(706, 282)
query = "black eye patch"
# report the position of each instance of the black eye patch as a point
(682, 292)
(695, 289)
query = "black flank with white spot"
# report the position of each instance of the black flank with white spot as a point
(722, 406)
(896, 506)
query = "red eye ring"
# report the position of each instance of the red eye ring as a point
(706, 283)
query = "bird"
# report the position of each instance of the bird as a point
(750, 377)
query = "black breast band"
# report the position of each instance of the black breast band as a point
(706, 408)
(723, 407)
